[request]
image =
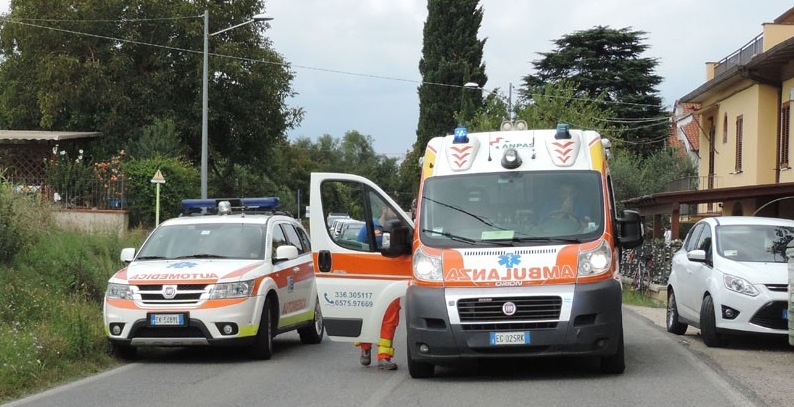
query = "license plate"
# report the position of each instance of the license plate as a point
(167, 319)
(509, 338)
(785, 313)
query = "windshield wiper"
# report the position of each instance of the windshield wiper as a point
(150, 258)
(451, 236)
(202, 256)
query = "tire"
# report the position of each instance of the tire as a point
(125, 352)
(262, 348)
(417, 369)
(673, 323)
(313, 334)
(708, 325)
(616, 363)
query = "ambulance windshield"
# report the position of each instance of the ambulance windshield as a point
(516, 208)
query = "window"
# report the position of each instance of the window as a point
(725, 129)
(278, 239)
(307, 246)
(785, 126)
(739, 139)
(692, 237)
(292, 237)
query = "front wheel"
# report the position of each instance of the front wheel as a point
(673, 323)
(262, 348)
(313, 334)
(417, 369)
(708, 325)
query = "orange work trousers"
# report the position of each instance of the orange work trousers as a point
(390, 321)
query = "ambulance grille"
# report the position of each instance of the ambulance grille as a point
(186, 294)
(542, 308)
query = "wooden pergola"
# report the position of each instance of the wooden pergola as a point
(23, 153)
(771, 200)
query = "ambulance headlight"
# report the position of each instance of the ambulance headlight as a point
(511, 159)
(427, 267)
(237, 289)
(119, 291)
(596, 261)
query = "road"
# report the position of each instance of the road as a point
(660, 370)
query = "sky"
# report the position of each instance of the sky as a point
(356, 61)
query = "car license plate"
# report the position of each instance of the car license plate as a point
(167, 319)
(509, 338)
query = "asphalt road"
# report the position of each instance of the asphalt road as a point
(662, 369)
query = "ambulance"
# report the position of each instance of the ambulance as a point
(513, 251)
(228, 272)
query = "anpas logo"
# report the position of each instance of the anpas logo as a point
(509, 274)
(507, 144)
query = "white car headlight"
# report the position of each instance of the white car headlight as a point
(595, 261)
(427, 267)
(119, 291)
(740, 285)
(237, 289)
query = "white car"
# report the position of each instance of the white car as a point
(730, 277)
(236, 274)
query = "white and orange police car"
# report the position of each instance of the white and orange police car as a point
(226, 272)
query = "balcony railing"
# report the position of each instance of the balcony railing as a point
(80, 194)
(741, 56)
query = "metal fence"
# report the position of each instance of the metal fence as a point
(78, 194)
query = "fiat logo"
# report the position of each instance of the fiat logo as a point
(509, 308)
(169, 292)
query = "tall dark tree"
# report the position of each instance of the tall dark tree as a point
(118, 66)
(451, 57)
(608, 62)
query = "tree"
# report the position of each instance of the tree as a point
(451, 57)
(117, 66)
(606, 62)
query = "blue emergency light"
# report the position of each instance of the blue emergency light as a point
(461, 136)
(562, 132)
(263, 203)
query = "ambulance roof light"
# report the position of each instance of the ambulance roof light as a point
(461, 136)
(562, 132)
(511, 159)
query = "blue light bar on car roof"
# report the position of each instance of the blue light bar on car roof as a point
(266, 203)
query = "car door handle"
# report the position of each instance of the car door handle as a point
(324, 261)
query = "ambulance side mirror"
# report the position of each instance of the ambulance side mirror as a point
(630, 234)
(396, 240)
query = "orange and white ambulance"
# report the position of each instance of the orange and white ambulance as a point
(513, 251)
(227, 272)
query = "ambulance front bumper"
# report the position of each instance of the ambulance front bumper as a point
(231, 325)
(449, 325)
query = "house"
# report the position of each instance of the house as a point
(742, 117)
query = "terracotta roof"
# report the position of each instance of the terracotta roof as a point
(691, 129)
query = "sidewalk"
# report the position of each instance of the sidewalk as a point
(657, 315)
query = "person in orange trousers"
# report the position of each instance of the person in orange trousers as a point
(385, 346)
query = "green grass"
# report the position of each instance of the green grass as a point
(51, 328)
(632, 297)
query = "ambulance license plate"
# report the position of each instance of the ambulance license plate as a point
(167, 319)
(509, 338)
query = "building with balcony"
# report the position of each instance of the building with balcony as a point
(741, 116)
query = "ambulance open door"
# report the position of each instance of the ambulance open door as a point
(357, 275)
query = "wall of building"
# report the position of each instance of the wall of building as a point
(93, 221)
(776, 33)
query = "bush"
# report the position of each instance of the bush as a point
(182, 181)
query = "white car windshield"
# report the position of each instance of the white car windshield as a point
(212, 240)
(516, 208)
(754, 243)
